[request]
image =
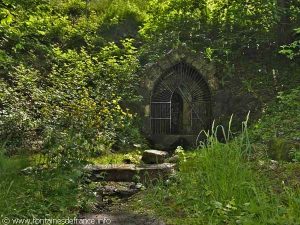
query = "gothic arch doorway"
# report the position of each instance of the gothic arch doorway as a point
(180, 102)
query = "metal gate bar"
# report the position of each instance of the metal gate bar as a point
(161, 117)
(193, 89)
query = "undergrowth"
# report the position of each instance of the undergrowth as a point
(40, 193)
(278, 131)
(216, 184)
(280, 119)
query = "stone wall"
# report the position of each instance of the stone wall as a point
(224, 99)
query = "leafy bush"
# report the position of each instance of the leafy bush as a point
(223, 28)
(75, 106)
(292, 50)
(280, 119)
(62, 83)
(277, 130)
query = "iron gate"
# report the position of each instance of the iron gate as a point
(161, 117)
(184, 81)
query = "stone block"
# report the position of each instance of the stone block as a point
(129, 172)
(154, 156)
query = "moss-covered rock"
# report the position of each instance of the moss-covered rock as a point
(282, 149)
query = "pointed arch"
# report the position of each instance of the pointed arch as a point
(185, 81)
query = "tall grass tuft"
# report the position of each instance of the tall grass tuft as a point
(216, 184)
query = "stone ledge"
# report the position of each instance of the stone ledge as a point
(129, 172)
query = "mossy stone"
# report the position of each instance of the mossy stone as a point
(281, 149)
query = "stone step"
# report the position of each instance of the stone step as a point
(129, 172)
(154, 156)
(110, 193)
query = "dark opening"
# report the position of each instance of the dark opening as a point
(176, 113)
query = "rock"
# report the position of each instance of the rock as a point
(154, 156)
(137, 145)
(273, 164)
(139, 186)
(119, 189)
(280, 149)
(27, 170)
(129, 172)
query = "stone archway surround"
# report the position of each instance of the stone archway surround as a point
(152, 72)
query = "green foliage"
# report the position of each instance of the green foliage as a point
(40, 193)
(225, 26)
(218, 185)
(292, 50)
(67, 70)
(282, 149)
(79, 99)
(62, 84)
(118, 158)
(236, 35)
(59, 68)
(278, 128)
(280, 120)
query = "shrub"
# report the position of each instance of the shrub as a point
(74, 109)
(280, 119)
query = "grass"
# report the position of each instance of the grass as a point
(218, 184)
(42, 194)
(278, 129)
(48, 192)
(118, 158)
(121, 157)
